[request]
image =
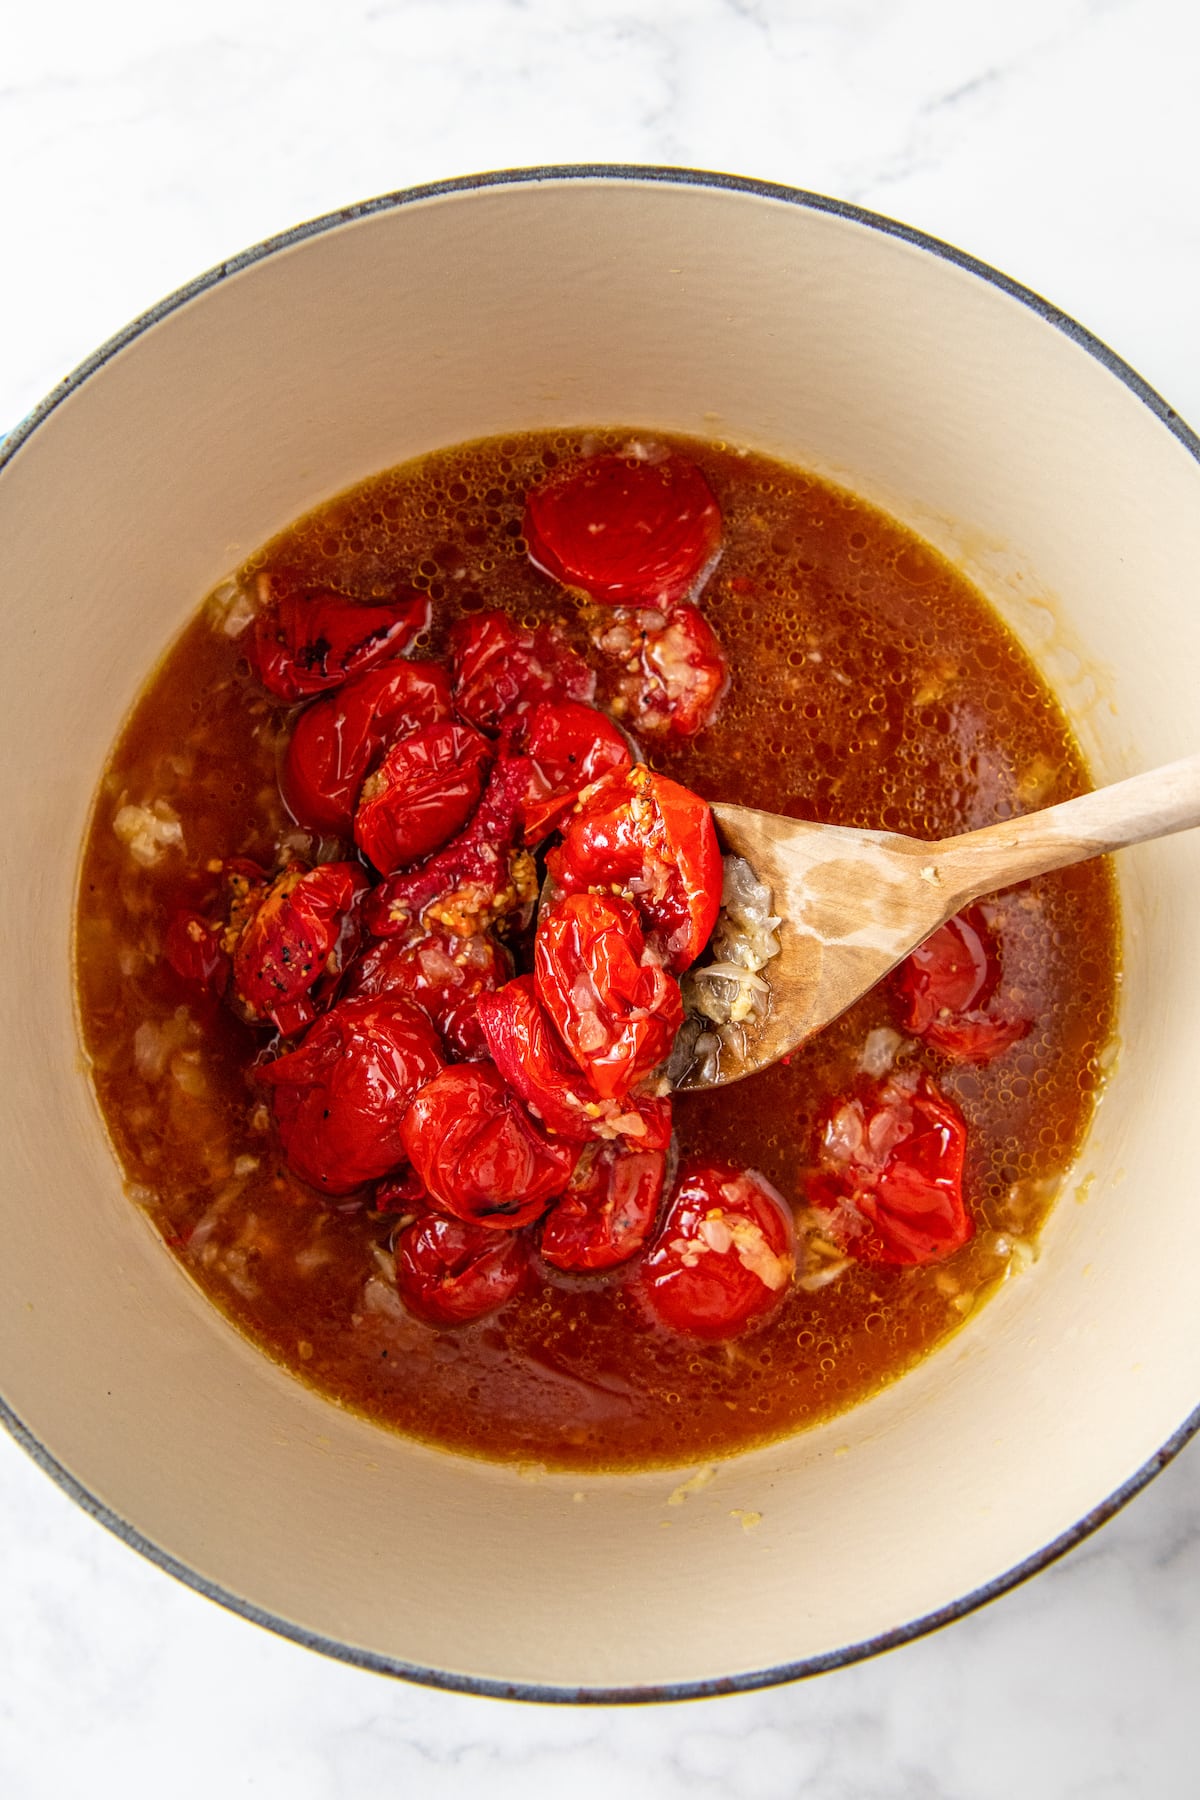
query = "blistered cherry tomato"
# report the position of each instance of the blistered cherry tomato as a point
(296, 943)
(500, 672)
(479, 1153)
(569, 747)
(444, 975)
(628, 531)
(338, 740)
(477, 879)
(421, 795)
(525, 1048)
(612, 1003)
(652, 837)
(670, 671)
(889, 1182)
(340, 1099)
(607, 1212)
(946, 983)
(449, 1271)
(723, 1257)
(193, 947)
(307, 640)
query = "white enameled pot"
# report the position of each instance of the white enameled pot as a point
(700, 304)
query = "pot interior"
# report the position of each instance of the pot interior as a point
(812, 335)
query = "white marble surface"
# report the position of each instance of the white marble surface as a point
(141, 143)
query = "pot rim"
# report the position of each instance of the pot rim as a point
(776, 1674)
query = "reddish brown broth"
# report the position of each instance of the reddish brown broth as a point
(871, 686)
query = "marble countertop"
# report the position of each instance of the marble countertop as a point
(142, 143)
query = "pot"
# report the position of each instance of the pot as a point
(807, 329)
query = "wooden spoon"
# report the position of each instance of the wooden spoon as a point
(853, 903)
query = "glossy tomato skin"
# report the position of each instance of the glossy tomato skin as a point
(193, 947)
(295, 944)
(889, 1180)
(449, 1271)
(308, 640)
(628, 531)
(569, 746)
(645, 833)
(477, 880)
(421, 795)
(339, 739)
(670, 673)
(340, 1098)
(945, 987)
(526, 1049)
(613, 1005)
(723, 1258)
(500, 673)
(445, 976)
(608, 1211)
(479, 1153)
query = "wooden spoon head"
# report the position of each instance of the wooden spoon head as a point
(852, 904)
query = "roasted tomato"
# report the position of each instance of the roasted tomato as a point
(445, 976)
(607, 1212)
(611, 1001)
(479, 1153)
(477, 880)
(340, 1099)
(525, 1048)
(500, 672)
(670, 671)
(307, 640)
(723, 1257)
(421, 795)
(569, 746)
(338, 740)
(194, 948)
(295, 944)
(629, 531)
(449, 1271)
(658, 842)
(946, 984)
(889, 1183)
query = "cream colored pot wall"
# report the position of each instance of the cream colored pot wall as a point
(724, 313)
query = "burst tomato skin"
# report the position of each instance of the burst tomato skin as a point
(307, 640)
(670, 673)
(478, 879)
(479, 1153)
(722, 1260)
(569, 746)
(449, 1272)
(615, 1008)
(500, 673)
(340, 1098)
(525, 1048)
(628, 532)
(293, 948)
(445, 976)
(340, 738)
(193, 947)
(647, 834)
(945, 987)
(607, 1212)
(421, 795)
(889, 1180)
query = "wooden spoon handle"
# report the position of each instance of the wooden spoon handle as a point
(1146, 806)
